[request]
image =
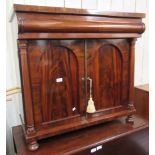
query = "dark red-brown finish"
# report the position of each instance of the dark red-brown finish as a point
(50, 61)
(58, 50)
(108, 63)
(50, 22)
(134, 139)
(142, 100)
(115, 137)
(71, 11)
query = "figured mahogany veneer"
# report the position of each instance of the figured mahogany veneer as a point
(58, 50)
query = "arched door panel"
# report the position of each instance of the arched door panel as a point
(56, 79)
(108, 67)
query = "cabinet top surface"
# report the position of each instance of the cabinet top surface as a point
(61, 10)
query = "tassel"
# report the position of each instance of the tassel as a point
(91, 106)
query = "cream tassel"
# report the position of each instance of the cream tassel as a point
(90, 106)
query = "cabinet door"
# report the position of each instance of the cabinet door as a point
(56, 72)
(108, 67)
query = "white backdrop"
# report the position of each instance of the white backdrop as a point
(13, 81)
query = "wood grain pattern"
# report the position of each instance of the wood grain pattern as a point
(108, 62)
(77, 35)
(76, 21)
(55, 68)
(60, 10)
(131, 78)
(82, 26)
(51, 61)
(27, 98)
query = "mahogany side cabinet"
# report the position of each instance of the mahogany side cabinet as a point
(77, 68)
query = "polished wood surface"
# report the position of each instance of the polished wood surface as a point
(57, 104)
(133, 139)
(142, 100)
(56, 78)
(76, 23)
(59, 49)
(27, 95)
(77, 35)
(76, 26)
(57, 10)
(108, 62)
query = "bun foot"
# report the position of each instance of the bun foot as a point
(129, 119)
(32, 146)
